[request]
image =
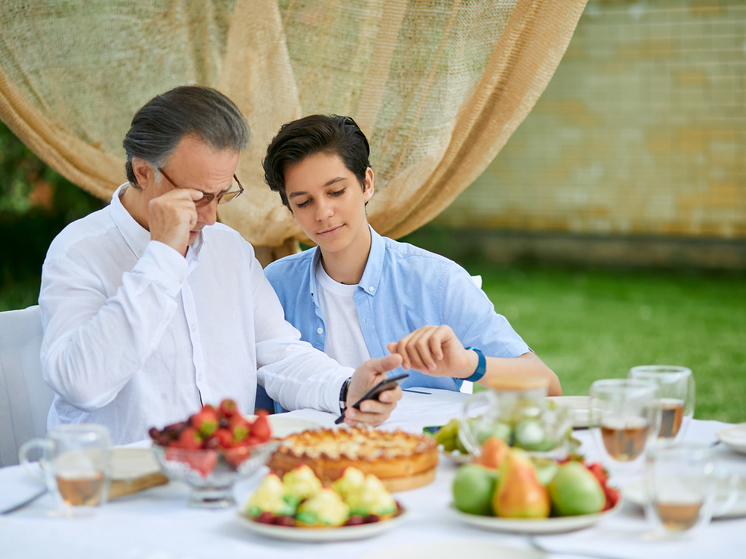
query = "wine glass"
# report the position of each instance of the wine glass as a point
(675, 397)
(624, 420)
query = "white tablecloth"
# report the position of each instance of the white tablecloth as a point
(157, 524)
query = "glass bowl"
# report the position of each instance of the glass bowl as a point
(211, 473)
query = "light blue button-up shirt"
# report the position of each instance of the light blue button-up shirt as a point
(402, 289)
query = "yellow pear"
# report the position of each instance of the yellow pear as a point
(520, 494)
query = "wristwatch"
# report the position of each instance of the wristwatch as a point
(481, 365)
(343, 395)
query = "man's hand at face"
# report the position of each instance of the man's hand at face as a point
(366, 376)
(172, 216)
(436, 351)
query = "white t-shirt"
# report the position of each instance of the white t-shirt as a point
(344, 338)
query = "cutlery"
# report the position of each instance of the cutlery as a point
(24, 503)
(541, 547)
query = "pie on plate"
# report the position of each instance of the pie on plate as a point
(401, 460)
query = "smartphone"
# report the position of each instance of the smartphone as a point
(375, 392)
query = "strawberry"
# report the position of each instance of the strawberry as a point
(189, 439)
(224, 438)
(205, 420)
(228, 408)
(261, 429)
(239, 427)
(203, 461)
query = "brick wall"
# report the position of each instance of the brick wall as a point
(642, 131)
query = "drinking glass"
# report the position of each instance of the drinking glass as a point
(682, 486)
(76, 467)
(675, 397)
(624, 419)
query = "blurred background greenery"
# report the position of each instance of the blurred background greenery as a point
(36, 202)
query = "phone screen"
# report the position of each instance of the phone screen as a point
(375, 392)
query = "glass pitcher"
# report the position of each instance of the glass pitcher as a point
(516, 410)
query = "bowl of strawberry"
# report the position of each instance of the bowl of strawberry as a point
(212, 450)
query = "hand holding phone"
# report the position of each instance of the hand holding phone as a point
(375, 392)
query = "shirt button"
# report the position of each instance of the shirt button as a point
(139, 253)
(193, 327)
(319, 330)
(199, 377)
(181, 279)
(371, 289)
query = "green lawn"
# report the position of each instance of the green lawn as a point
(596, 324)
(588, 325)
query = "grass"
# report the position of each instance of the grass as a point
(589, 325)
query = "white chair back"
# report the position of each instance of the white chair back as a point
(24, 397)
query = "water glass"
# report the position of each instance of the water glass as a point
(76, 465)
(682, 486)
(675, 397)
(624, 419)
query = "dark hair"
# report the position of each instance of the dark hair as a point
(159, 126)
(296, 140)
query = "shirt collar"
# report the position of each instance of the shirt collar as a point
(373, 267)
(135, 235)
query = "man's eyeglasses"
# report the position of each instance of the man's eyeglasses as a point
(222, 198)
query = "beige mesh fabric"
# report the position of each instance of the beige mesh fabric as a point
(438, 86)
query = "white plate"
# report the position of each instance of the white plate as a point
(635, 493)
(534, 526)
(475, 549)
(282, 425)
(578, 408)
(340, 534)
(734, 436)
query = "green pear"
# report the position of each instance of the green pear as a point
(473, 488)
(575, 490)
(520, 494)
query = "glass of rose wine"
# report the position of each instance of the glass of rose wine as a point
(76, 465)
(675, 398)
(683, 482)
(624, 420)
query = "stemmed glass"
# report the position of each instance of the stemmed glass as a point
(675, 397)
(624, 420)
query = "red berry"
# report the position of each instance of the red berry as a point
(224, 438)
(228, 408)
(189, 439)
(239, 427)
(261, 429)
(206, 420)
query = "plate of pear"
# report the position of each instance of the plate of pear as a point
(507, 490)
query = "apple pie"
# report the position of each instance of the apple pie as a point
(400, 460)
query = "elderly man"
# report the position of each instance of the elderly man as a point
(150, 308)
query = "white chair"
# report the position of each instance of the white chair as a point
(24, 397)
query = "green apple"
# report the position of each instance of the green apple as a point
(575, 490)
(473, 488)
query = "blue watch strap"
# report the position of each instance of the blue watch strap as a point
(481, 366)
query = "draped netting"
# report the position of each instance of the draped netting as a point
(438, 86)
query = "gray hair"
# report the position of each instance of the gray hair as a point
(159, 126)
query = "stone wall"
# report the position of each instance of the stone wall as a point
(640, 133)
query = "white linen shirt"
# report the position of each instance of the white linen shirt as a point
(136, 335)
